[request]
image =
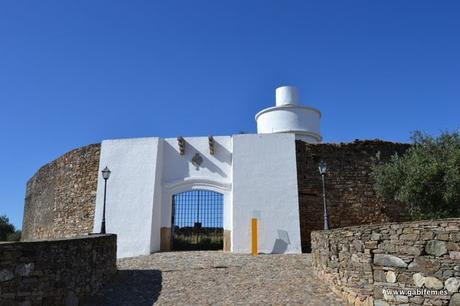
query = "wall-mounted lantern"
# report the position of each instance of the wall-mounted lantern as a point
(211, 145)
(181, 143)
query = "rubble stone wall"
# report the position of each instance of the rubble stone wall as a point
(61, 196)
(350, 195)
(411, 263)
(55, 272)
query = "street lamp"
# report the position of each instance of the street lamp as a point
(105, 175)
(322, 171)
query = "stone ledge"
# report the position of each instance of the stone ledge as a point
(55, 272)
(89, 236)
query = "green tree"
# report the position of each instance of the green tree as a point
(426, 177)
(7, 230)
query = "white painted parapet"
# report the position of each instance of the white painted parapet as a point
(288, 116)
(133, 206)
(265, 187)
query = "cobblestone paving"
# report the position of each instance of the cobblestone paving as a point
(210, 278)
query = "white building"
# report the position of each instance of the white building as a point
(154, 185)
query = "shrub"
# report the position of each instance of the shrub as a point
(426, 177)
(7, 230)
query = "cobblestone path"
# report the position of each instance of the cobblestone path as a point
(209, 278)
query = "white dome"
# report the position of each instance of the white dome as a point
(288, 116)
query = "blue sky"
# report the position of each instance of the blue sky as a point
(76, 72)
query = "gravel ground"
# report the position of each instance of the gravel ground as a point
(215, 278)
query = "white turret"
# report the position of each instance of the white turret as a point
(288, 116)
(287, 95)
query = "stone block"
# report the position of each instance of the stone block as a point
(389, 261)
(424, 264)
(455, 300)
(372, 244)
(390, 277)
(357, 246)
(427, 235)
(379, 276)
(401, 299)
(455, 255)
(436, 248)
(408, 230)
(442, 236)
(380, 303)
(6, 275)
(24, 269)
(410, 250)
(419, 280)
(452, 284)
(416, 300)
(452, 246)
(455, 237)
(351, 298)
(409, 237)
(375, 236)
(433, 283)
(405, 278)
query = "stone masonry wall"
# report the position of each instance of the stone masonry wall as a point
(411, 263)
(61, 196)
(55, 272)
(351, 199)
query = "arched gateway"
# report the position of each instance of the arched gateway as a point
(217, 184)
(270, 176)
(197, 220)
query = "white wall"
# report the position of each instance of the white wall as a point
(255, 173)
(215, 173)
(265, 185)
(146, 173)
(290, 118)
(130, 194)
(155, 240)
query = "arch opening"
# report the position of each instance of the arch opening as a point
(197, 220)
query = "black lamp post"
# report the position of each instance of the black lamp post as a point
(322, 171)
(105, 175)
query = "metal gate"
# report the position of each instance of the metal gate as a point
(197, 218)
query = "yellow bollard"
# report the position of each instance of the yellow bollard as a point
(254, 236)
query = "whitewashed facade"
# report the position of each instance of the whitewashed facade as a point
(255, 173)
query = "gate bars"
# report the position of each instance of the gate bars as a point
(197, 220)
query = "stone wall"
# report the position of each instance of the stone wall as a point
(61, 196)
(55, 272)
(351, 199)
(368, 264)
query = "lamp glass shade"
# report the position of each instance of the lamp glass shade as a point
(106, 173)
(322, 167)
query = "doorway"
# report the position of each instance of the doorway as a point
(197, 220)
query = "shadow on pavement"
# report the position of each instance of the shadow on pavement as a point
(129, 287)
